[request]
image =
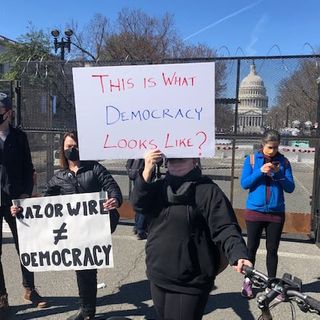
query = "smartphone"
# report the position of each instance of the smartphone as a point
(276, 163)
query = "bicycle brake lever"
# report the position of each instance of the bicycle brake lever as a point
(302, 306)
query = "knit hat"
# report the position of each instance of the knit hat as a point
(5, 101)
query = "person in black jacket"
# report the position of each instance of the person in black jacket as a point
(81, 177)
(134, 168)
(190, 221)
(16, 174)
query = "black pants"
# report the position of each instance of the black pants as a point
(27, 276)
(87, 285)
(176, 305)
(273, 235)
(140, 222)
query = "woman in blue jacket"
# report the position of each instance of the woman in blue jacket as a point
(266, 174)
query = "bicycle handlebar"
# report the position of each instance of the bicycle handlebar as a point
(289, 286)
(250, 272)
(313, 303)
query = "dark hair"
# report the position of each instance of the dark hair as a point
(63, 160)
(271, 135)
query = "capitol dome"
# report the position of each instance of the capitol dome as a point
(252, 92)
(253, 101)
(252, 79)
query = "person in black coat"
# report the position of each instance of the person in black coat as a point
(16, 175)
(134, 168)
(191, 221)
(81, 177)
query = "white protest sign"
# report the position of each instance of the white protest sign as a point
(124, 111)
(70, 232)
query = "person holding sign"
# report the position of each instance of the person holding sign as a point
(16, 182)
(78, 176)
(192, 224)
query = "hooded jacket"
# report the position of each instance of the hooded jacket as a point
(253, 179)
(190, 217)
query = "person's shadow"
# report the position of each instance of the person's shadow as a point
(227, 300)
(56, 305)
(132, 294)
(135, 294)
(138, 293)
(312, 286)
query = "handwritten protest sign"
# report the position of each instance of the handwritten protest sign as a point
(70, 232)
(124, 111)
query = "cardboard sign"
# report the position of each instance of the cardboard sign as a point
(124, 111)
(70, 232)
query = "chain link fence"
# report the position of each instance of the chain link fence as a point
(47, 110)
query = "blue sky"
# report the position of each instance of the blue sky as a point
(232, 27)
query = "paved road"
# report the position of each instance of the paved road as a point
(127, 293)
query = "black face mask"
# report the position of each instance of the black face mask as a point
(72, 154)
(1, 118)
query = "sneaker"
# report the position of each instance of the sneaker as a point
(79, 316)
(246, 290)
(134, 230)
(32, 295)
(4, 304)
(142, 235)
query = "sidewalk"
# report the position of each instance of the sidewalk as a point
(127, 293)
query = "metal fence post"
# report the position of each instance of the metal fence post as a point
(17, 94)
(315, 202)
(235, 131)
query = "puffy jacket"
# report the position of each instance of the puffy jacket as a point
(90, 177)
(15, 166)
(253, 179)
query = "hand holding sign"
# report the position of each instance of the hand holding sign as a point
(109, 203)
(15, 208)
(150, 160)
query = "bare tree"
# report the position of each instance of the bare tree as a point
(275, 118)
(224, 118)
(140, 37)
(90, 40)
(297, 95)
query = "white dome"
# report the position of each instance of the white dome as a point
(252, 79)
(253, 102)
(252, 92)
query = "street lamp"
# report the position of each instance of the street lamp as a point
(63, 43)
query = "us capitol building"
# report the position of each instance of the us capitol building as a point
(253, 104)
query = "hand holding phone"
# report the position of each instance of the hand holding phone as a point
(276, 166)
